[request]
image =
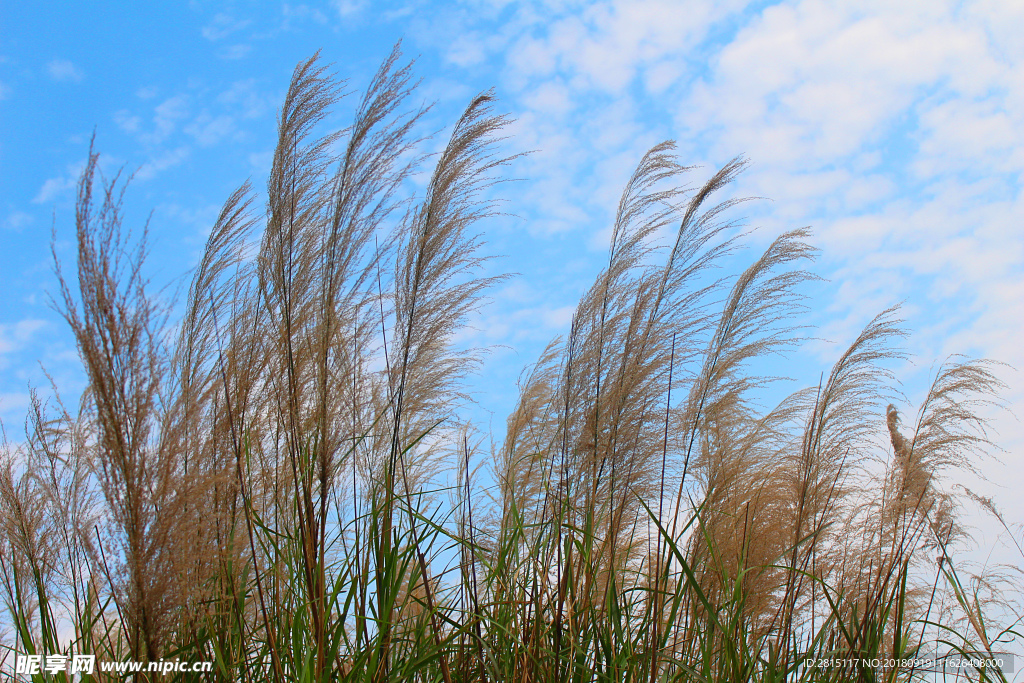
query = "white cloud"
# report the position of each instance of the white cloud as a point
(166, 116)
(301, 12)
(984, 133)
(244, 95)
(466, 50)
(57, 186)
(16, 336)
(209, 130)
(208, 127)
(14, 405)
(809, 83)
(609, 44)
(64, 70)
(53, 188)
(17, 221)
(223, 25)
(348, 8)
(551, 97)
(196, 223)
(162, 162)
(261, 162)
(127, 121)
(239, 51)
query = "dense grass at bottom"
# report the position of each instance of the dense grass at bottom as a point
(530, 607)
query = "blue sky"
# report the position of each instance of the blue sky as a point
(894, 130)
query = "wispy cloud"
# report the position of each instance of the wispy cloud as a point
(807, 83)
(17, 221)
(162, 162)
(239, 51)
(244, 96)
(128, 122)
(53, 188)
(173, 118)
(14, 405)
(300, 13)
(348, 8)
(64, 70)
(261, 162)
(209, 130)
(16, 336)
(166, 117)
(223, 25)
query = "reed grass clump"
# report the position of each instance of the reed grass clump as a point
(278, 481)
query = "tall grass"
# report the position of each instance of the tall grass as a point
(278, 481)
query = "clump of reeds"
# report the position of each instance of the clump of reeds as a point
(259, 483)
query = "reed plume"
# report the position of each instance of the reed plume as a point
(280, 480)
